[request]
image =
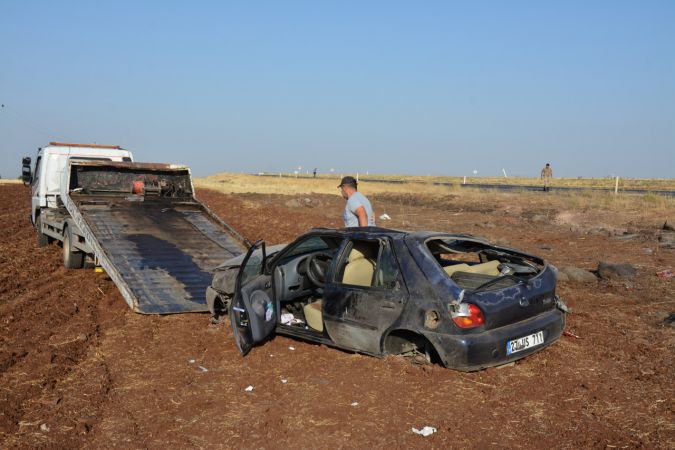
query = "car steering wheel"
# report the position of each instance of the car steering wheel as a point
(317, 268)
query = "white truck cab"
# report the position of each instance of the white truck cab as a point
(51, 162)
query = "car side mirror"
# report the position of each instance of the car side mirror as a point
(26, 174)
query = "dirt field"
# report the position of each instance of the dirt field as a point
(78, 369)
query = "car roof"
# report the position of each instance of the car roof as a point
(393, 233)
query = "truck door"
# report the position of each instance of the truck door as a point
(253, 313)
(365, 296)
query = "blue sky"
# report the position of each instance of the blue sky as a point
(440, 88)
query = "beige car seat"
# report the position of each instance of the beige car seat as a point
(313, 315)
(488, 268)
(360, 268)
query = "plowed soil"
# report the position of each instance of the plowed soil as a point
(78, 369)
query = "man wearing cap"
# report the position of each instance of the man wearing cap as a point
(358, 212)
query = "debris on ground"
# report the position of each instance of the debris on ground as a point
(665, 274)
(570, 334)
(355, 404)
(202, 369)
(44, 427)
(385, 217)
(249, 389)
(426, 431)
(609, 271)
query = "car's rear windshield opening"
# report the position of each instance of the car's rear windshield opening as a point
(476, 266)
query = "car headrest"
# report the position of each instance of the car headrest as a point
(361, 252)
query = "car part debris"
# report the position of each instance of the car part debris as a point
(665, 274)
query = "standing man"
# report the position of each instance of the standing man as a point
(547, 175)
(358, 212)
(314, 172)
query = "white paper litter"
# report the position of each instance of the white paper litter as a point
(289, 319)
(385, 217)
(284, 381)
(426, 431)
(291, 348)
(355, 403)
(191, 361)
(249, 389)
(202, 368)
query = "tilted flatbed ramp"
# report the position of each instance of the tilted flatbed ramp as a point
(147, 230)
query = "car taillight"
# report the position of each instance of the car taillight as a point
(468, 316)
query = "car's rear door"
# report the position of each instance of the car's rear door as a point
(356, 317)
(253, 313)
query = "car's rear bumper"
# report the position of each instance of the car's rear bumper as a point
(477, 351)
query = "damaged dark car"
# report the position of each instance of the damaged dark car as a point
(436, 297)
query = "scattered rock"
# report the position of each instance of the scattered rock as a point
(85, 424)
(626, 237)
(44, 428)
(576, 274)
(599, 232)
(609, 271)
(670, 320)
(667, 239)
(293, 203)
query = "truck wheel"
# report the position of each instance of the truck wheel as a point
(72, 259)
(42, 239)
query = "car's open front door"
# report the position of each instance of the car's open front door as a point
(253, 313)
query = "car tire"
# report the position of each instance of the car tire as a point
(42, 239)
(72, 258)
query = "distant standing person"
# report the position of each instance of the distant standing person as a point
(358, 211)
(547, 175)
(314, 172)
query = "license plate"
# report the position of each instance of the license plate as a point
(523, 343)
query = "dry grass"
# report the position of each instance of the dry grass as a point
(234, 183)
(607, 182)
(579, 201)
(9, 181)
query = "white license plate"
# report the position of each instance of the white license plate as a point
(523, 343)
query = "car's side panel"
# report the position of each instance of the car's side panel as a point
(357, 317)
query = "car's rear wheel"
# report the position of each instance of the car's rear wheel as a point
(412, 346)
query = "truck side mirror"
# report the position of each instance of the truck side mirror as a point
(26, 174)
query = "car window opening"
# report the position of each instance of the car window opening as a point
(301, 273)
(476, 266)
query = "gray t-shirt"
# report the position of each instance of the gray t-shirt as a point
(355, 202)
